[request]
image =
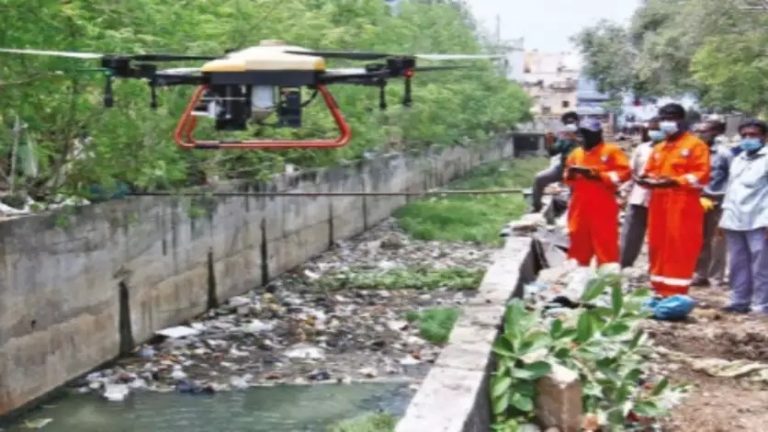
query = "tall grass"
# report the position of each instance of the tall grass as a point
(474, 219)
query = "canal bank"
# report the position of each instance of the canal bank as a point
(384, 286)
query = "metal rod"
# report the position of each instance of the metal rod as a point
(336, 194)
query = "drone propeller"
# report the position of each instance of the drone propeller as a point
(350, 55)
(362, 55)
(440, 57)
(438, 68)
(90, 56)
(80, 55)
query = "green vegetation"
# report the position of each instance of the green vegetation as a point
(711, 48)
(56, 137)
(472, 218)
(416, 278)
(602, 343)
(435, 324)
(370, 423)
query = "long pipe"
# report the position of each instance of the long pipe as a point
(516, 191)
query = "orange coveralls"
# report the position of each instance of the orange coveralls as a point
(593, 213)
(675, 215)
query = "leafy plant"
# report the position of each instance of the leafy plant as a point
(601, 342)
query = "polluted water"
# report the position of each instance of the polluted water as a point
(260, 409)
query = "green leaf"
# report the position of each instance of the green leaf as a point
(534, 341)
(538, 369)
(617, 300)
(635, 342)
(611, 374)
(556, 329)
(563, 353)
(503, 347)
(617, 328)
(500, 404)
(523, 403)
(633, 375)
(647, 409)
(595, 288)
(522, 374)
(584, 330)
(501, 385)
(660, 387)
(526, 388)
(517, 317)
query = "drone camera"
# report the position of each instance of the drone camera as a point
(262, 102)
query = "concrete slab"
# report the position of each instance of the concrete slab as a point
(454, 396)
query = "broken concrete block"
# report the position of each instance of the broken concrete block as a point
(529, 223)
(558, 400)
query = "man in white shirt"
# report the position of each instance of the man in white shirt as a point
(636, 217)
(745, 221)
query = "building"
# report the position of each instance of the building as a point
(551, 80)
(589, 100)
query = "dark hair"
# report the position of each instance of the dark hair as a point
(717, 125)
(672, 110)
(755, 124)
(569, 116)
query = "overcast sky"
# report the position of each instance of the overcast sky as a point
(547, 25)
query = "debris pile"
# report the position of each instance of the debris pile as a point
(297, 330)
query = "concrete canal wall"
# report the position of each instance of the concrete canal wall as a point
(79, 288)
(454, 396)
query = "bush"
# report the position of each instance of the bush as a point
(602, 343)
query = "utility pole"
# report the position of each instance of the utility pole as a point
(498, 29)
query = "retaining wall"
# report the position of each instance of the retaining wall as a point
(76, 294)
(454, 397)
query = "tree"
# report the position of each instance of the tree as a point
(710, 48)
(609, 57)
(80, 145)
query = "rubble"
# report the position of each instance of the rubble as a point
(178, 332)
(116, 392)
(295, 331)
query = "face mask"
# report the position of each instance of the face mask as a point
(669, 127)
(751, 144)
(656, 135)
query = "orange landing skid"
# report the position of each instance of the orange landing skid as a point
(184, 131)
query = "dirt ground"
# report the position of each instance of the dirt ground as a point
(715, 404)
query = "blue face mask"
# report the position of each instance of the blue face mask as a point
(669, 127)
(656, 135)
(751, 144)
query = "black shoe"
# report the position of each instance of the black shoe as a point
(742, 310)
(701, 283)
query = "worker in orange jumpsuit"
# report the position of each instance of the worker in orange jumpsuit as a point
(594, 171)
(677, 171)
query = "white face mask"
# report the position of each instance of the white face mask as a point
(669, 127)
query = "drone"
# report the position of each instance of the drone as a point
(247, 86)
